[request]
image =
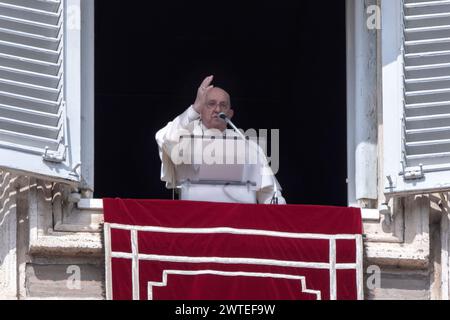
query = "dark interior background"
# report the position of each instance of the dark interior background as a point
(282, 61)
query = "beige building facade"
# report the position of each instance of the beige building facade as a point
(398, 70)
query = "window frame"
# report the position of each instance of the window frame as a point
(362, 179)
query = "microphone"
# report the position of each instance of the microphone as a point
(224, 117)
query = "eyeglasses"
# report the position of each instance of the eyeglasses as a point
(213, 104)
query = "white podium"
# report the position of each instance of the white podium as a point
(217, 169)
(218, 192)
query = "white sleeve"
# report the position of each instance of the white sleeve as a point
(191, 114)
(264, 196)
(268, 181)
(171, 130)
(170, 134)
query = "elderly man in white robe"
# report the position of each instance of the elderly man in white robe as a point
(202, 119)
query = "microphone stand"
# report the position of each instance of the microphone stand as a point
(224, 117)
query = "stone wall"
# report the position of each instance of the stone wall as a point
(408, 249)
(47, 253)
(51, 249)
(8, 247)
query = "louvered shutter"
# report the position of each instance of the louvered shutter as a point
(40, 107)
(424, 162)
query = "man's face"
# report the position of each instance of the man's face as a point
(217, 101)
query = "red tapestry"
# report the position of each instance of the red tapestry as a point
(181, 250)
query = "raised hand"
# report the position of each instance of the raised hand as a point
(200, 101)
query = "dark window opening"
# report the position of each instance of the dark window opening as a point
(284, 64)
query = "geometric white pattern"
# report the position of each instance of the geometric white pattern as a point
(135, 257)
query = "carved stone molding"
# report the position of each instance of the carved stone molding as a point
(412, 246)
(8, 236)
(57, 227)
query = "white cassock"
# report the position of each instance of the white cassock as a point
(189, 123)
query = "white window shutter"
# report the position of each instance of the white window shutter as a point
(416, 96)
(40, 88)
